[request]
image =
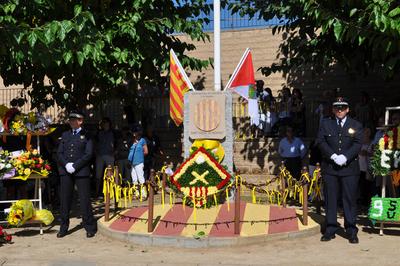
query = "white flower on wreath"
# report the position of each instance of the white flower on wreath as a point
(2, 165)
(200, 159)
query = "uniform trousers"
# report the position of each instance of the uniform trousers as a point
(67, 183)
(349, 188)
(124, 167)
(293, 165)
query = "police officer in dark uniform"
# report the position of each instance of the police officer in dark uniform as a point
(339, 140)
(74, 153)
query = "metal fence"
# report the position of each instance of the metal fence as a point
(231, 21)
(151, 110)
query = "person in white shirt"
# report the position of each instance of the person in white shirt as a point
(292, 151)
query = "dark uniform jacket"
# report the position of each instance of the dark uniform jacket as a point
(76, 149)
(346, 140)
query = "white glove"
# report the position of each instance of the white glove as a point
(334, 156)
(341, 160)
(69, 167)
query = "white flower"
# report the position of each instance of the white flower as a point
(8, 165)
(2, 165)
(200, 159)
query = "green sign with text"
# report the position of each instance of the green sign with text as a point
(385, 209)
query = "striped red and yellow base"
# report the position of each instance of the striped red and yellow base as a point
(280, 219)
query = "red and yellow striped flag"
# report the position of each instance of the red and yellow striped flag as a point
(179, 84)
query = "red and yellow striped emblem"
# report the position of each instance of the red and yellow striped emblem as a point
(178, 87)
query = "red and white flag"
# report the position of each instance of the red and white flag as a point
(243, 83)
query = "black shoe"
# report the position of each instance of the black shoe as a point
(353, 240)
(326, 237)
(90, 235)
(61, 234)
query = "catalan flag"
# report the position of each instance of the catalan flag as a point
(179, 84)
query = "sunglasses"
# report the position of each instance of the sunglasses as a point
(341, 107)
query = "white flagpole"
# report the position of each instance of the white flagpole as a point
(217, 45)
(185, 77)
(237, 68)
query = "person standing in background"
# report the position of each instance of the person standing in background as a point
(366, 180)
(298, 112)
(104, 152)
(74, 153)
(124, 142)
(154, 150)
(292, 151)
(339, 139)
(137, 152)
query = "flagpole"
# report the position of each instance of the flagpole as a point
(217, 45)
(237, 68)
(178, 64)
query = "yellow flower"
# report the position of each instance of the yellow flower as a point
(44, 172)
(34, 152)
(27, 171)
(381, 144)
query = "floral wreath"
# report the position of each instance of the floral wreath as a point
(387, 153)
(199, 177)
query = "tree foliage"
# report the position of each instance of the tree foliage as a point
(362, 35)
(89, 48)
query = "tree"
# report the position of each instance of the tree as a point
(362, 35)
(88, 49)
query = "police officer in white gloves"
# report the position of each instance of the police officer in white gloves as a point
(74, 153)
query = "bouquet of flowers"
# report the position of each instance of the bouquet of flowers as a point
(7, 170)
(20, 212)
(4, 237)
(15, 122)
(23, 210)
(30, 162)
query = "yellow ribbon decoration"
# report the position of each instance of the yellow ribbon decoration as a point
(227, 198)
(214, 145)
(215, 199)
(194, 210)
(163, 199)
(253, 195)
(125, 191)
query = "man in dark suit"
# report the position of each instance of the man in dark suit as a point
(339, 140)
(74, 153)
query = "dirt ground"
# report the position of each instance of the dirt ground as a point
(31, 248)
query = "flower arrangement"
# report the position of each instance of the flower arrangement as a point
(7, 170)
(4, 237)
(386, 154)
(200, 177)
(30, 162)
(23, 210)
(20, 212)
(15, 122)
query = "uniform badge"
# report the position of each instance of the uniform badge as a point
(82, 137)
(351, 131)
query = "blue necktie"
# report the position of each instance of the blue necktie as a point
(340, 122)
